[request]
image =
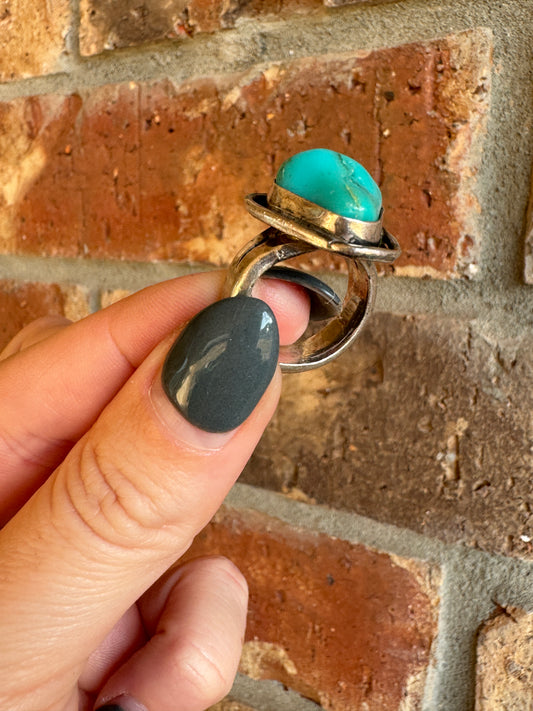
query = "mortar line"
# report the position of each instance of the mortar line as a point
(267, 695)
(474, 584)
(466, 301)
(450, 682)
(93, 273)
(374, 534)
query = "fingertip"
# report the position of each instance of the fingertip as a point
(290, 304)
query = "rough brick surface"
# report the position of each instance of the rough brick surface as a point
(346, 626)
(423, 424)
(22, 303)
(110, 24)
(111, 296)
(528, 272)
(155, 171)
(229, 705)
(32, 37)
(505, 662)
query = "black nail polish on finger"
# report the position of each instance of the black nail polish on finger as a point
(110, 707)
(222, 363)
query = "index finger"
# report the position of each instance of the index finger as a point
(53, 391)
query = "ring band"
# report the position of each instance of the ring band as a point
(324, 301)
(272, 247)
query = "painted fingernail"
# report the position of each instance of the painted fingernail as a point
(222, 363)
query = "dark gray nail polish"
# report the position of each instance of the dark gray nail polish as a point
(222, 363)
(110, 707)
(325, 303)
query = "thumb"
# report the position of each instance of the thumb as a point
(130, 496)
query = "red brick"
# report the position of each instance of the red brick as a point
(118, 23)
(346, 626)
(423, 424)
(154, 171)
(22, 303)
(32, 37)
(505, 662)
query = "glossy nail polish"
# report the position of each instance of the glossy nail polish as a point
(222, 363)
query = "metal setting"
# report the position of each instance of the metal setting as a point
(297, 227)
(304, 211)
(386, 250)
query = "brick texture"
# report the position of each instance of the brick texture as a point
(505, 662)
(421, 424)
(229, 705)
(112, 24)
(120, 23)
(343, 625)
(111, 296)
(22, 303)
(32, 37)
(528, 272)
(155, 171)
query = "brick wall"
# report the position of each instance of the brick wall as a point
(385, 521)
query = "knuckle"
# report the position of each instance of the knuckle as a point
(105, 498)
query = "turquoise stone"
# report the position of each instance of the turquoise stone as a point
(333, 181)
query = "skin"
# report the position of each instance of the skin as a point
(103, 486)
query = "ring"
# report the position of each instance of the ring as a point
(299, 225)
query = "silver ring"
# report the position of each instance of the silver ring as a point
(297, 227)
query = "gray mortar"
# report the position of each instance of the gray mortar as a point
(474, 583)
(92, 273)
(269, 696)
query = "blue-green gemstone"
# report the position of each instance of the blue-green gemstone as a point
(333, 181)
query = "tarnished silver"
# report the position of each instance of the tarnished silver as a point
(351, 239)
(303, 211)
(296, 227)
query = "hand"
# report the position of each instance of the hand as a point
(103, 486)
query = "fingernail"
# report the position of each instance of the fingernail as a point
(222, 363)
(122, 703)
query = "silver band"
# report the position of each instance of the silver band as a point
(312, 351)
